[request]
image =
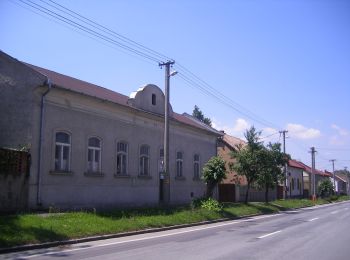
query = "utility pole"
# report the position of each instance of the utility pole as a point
(313, 151)
(166, 182)
(333, 160)
(283, 132)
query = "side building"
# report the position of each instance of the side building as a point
(93, 147)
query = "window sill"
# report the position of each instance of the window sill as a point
(147, 177)
(196, 179)
(122, 176)
(94, 174)
(61, 173)
(180, 178)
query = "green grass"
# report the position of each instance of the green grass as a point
(37, 228)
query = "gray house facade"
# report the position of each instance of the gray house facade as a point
(93, 147)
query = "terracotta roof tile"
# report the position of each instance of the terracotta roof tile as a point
(86, 88)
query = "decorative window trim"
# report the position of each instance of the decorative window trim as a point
(126, 154)
(179, 162)
(94, 149)
(94, 174)
(142, 158)
(61, 173)
(62, 145)
(196, 162)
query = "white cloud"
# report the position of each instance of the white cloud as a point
(238, 129)
(302, 132)
(241, 125)
(341, 131)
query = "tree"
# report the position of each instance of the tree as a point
(271, 162)
(325, 189)
(248, 158)
(214, 171)
(197, 113)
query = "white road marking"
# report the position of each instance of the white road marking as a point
(334, 212)
(313, 219)
(151, 237)
(270, 234)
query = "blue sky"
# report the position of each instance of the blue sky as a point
(287, 62)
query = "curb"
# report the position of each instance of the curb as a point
(139, 232)
(102, 237)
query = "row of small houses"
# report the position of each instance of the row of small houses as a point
(89, 146)
(299, 181)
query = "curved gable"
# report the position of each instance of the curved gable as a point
(149, 98)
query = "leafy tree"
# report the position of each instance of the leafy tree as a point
(325, 189)
(214, 171)
(271, 162)
(248, 158)
(197, 113)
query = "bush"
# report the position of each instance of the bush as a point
(326, 188)
(207, 203)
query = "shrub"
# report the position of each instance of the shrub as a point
(207, 203)
(326, 188)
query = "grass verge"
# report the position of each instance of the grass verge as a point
(38, 228)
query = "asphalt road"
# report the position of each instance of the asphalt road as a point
(314, 233)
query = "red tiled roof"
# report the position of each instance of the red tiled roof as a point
(233, 141)
(296, 164)
(86, 88)
(307, 168)
(80, 86)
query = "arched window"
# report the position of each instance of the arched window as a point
(144, 160)
(298, 184)
(179, 162)
(62, 151)
(122, 158)
(94, 154)
(293, 184)
(196, 166)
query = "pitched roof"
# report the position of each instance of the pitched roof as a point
(296, 164)
(307, 168)
(233, 141)
(79, 86)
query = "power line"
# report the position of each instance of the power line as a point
(87, 30)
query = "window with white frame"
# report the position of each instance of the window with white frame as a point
(122, 158)
(179, 164)
(62, 151)
(94, 154)
(144, 160)
(196, 166)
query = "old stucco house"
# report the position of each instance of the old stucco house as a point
(93, 147)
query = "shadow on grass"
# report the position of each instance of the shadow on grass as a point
(13, 233)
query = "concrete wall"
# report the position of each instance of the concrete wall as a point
(295, 174)
(83, 117)
(20, 91)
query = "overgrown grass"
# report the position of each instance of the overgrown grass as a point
(37, 228)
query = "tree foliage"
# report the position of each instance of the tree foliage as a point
(326, 189)
(214, 171)
(197, 113)
(259, 164)
(271, 163)
(248, 158)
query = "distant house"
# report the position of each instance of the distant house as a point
(341, 183)
(229, 187)
(295, 182)
(93, 147)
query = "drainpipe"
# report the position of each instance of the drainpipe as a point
(47, 83)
